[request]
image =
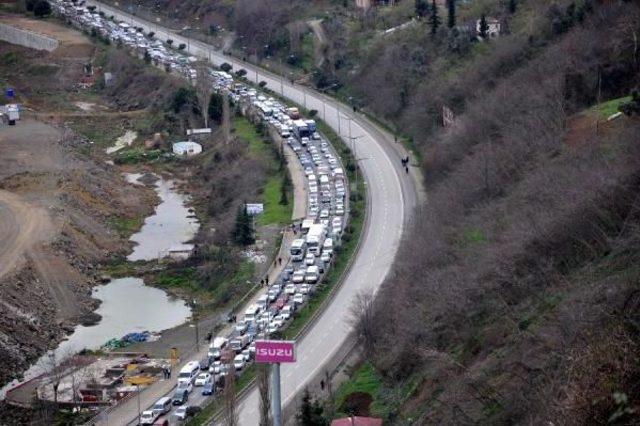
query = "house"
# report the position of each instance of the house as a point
(187, 148)
(357, 421)
(493, 27)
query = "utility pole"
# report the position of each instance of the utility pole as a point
(195, 320)
(138, 392)
(276, 405)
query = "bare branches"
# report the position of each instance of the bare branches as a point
(230, 409)
(263, 389)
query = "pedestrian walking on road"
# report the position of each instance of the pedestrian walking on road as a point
(262, 282)
(267, 280)
(169, 372)
(406, 169)
(321, 384)
(280, 261)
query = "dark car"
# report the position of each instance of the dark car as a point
(205, 363)
(180, 397)
(208, 389)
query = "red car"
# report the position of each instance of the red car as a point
(282, 300)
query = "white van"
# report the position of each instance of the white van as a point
(162, 406)
(238, 362)
(327, 246)
(251, 312)
(215, 348)
(263, 302)
(189, 372)
(312, 275)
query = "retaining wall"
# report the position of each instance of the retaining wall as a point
(27, 38)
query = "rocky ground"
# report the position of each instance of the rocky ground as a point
(46, 280)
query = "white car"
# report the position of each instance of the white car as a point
(188, 386)
(238, 362)
(339, 211)
(298, 298)
(291, 288)
(325, 256)
(202, 379)
(273, 327)
(310, 259)
(304, 289)
(313, 189)
(308, 170)
(285, 312)
(298, 277)
(148, 417)
(324, 213)
(181, 412)
(216, 367)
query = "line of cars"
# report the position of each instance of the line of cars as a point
(129, 36)
(310, 254)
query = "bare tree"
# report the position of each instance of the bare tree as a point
(226, 118)
(204, 89)
(230, 412)
(362, 318)
(265, 400)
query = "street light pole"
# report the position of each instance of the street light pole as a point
(195, 320)
(138, 391)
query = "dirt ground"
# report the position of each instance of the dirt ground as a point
(55, 210)
(72, 43)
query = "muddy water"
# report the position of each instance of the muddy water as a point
(170, 225)
(127, 306)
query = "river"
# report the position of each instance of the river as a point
(127, 305)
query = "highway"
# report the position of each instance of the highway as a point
(392, 195)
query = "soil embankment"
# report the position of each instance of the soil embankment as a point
(55, 210)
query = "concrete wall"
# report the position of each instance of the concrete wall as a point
(27, 38)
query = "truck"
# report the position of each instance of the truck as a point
(216, 347)
(239, 343)
(306, 224)
(315, 238)
(293, 113)
(297, 249)
(301, 129)
(311, 125)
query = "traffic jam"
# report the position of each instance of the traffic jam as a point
(310, 255)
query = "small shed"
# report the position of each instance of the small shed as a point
(187, 148)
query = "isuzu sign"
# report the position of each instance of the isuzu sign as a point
(272, 351)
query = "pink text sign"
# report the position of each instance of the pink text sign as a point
(270, 351)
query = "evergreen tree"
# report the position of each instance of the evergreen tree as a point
(215, 107)
(42, 8)
(422, 8)
(434, 19)
(484, 27)
(311, 412)
(451, 18)
(243, 232)
(512, 6)
(284, 189)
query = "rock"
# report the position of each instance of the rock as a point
(90, 319)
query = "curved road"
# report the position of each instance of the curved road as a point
(391, 193)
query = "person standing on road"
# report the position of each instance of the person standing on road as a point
(280, 261)
(406, 169)
(267, 280)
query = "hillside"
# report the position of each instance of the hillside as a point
(523, 305)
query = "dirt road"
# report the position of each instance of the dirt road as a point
(21, 227)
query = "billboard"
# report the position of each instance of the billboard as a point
(254, 209)
(271, 351)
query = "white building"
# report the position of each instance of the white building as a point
(187, 148)
(493, 27)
